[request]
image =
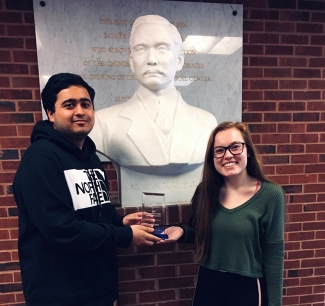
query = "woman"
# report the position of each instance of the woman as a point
(237, 225)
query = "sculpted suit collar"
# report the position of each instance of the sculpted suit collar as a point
(180, 150)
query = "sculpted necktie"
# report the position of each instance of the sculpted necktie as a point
(162, 121)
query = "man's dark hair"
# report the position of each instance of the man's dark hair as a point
(58, 82)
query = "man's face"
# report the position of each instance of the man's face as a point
(74, 114)
(154, 58)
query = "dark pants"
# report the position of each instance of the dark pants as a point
(217, 288)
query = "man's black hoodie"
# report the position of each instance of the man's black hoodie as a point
(68, 231)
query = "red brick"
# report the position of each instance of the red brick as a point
(292, 84)
(137, 260)
(306, 198)
(4, 82)
(293, 227)
(278, 73)
(291, 128)
(290, 300)
(314, 188)
(278, 50)
(33, 69)
(290, 169)
(279, 27)
(30, 44)
(291, 106)
(252, 26)
(322, 156)
(262, 128)
(304, 178)
(13, 69)
(308, 51)
(127, 299)
(301, 236)
(293, 61)
(316, 127)
(179, 282)
(300, 272)
(315, 207)
(10, 43)
(321, 197)
(314, 297)
(262, 106)
(21, 30)
(299, 290)
(294, 208)
(275, 138)
(311, 245)
(252, 95)
(263, 61)
(317, 40)
(29, 18)
(307, 95)
(305, 117)
(317, 62)
(253, 49)
(316, 106)
(290, 148)
(19, 5)
(266, 149)
(173, 258)
(304, 138)
(25, 82)
(257, 38)
(262, 14)
(317, 17)
(292, 246)
(303, 158)
(307, 73)
(317, 84)
(156, 296)
(309, 27)
(277, 159)
(263, 84)
(294, 39)
(280, 179)
(10, 17)
(137, 286)
(251, 117)
(5, 56)
(245, 84)
(15, 94)
(157, 272)
(294, 16)
(307, 226)
(277, 117)
(277, 95)
(252, 72)
(25, 56)
(30, 106)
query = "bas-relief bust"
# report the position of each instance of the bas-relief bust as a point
(156, 131)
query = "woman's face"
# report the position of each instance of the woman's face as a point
(230, 165)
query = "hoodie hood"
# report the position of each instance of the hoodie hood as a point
(44, 130)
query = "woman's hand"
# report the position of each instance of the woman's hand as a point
(174, 233)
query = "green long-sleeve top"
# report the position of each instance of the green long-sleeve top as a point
(249, 239)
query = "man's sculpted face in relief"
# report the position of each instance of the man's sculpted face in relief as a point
(154, 57)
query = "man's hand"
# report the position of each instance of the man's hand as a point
(142, 236)
(139, 218)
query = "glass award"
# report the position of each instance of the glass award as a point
(153, 207)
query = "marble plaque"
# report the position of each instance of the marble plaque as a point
(91, 38)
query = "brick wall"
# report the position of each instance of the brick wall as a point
(284, 104)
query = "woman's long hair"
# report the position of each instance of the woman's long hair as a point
(207, 194)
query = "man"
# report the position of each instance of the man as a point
(156, 131)
(68, 231)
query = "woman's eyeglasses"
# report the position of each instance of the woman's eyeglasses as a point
(235, 149)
